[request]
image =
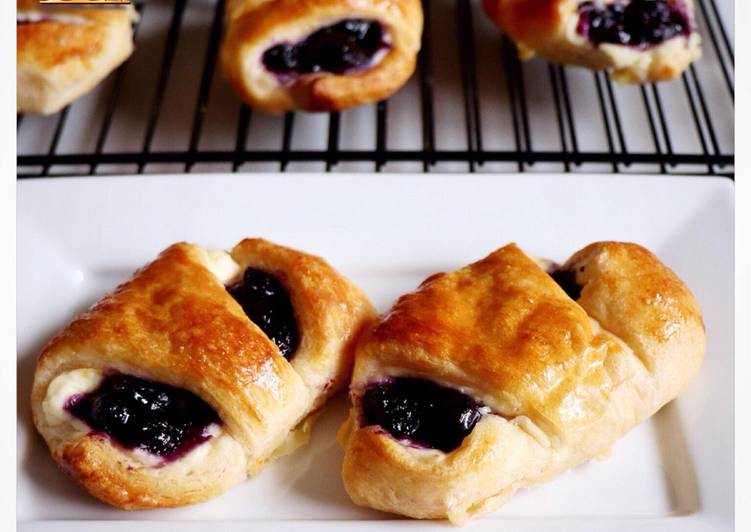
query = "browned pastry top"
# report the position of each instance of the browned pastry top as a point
(525, 20)
(55, 41)
(50, 42)
(503, 328)
(197, 332)
(175, 322)
(634, 295)
(269, 13)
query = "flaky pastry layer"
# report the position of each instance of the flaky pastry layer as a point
(64, 53)
(564, 379)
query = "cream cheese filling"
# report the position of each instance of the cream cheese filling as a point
(635, 59)
(64, 387)
(223, 266)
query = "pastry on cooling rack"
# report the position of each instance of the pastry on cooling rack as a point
(63, 52)
(320, 55)
(500, 375)
(195, 372)
(639, 40)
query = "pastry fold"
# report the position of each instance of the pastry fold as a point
(561, 378)
(175, 323)
(255, 26)
(553, 29)
(64, 53)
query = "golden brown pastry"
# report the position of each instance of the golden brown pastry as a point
(640, 40)
(494, 378)
(194, 373)
(63, 52)
(319, 55)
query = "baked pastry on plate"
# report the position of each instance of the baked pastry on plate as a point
(63, 52)
(501, 374)
(319, 55)
(197, 371)
(640, 40)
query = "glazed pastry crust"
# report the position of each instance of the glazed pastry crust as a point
(66, 56)
(564, 380)
(175, 323)
(548, 28)
(256, 25)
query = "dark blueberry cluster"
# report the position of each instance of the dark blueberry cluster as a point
(566, 279)
(638, 23)
(266, 302)
(152, 416)
(421, 411)
(337, 49)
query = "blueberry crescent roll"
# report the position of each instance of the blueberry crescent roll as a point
(640, 40)
(319, 55)
(194, 373)
(64, 53)
(494, 377)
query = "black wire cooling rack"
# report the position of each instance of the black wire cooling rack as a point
(704, 118)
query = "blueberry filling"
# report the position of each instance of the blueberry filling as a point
(137, 413)
(267, 304)
(566, 279)
(420, 411)
(337, 49)
(638, 23)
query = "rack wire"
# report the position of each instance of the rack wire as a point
(686, 126)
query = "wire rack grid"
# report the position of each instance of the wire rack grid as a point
(471, 106)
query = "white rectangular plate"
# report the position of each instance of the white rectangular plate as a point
(78, 238)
